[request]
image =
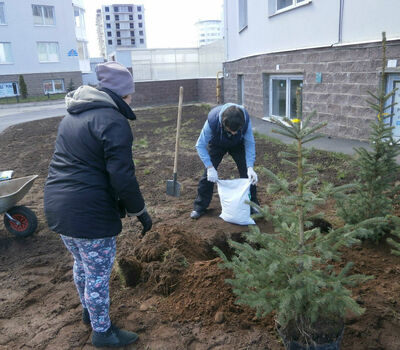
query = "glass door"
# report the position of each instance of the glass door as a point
(393, 83)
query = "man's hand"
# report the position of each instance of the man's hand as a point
(212, 174)
(145, 220)
(252, 175)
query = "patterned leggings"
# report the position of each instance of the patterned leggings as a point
(93, 262)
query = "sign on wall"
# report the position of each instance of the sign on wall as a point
(8, 89)
(72, 52)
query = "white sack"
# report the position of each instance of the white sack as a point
(233, 194)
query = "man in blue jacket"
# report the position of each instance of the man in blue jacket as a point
(226, 130)
(91, 183)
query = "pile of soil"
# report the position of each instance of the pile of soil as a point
(167, 286)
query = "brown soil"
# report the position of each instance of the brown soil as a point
(175, 296)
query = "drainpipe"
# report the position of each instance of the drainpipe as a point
(340, 33)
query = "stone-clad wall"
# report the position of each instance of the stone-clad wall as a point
(348, 72)
(34, 82)
(163, 92)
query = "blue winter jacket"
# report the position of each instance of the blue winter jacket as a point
(212, 135)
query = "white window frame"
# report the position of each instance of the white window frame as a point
(242, 12)
(41, 7)
(53, 86)
(288, 79)
(47, 50)
(273, 6)
(11, 55)
(3, 13)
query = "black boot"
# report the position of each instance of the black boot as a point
(85, 316)
(113, 338)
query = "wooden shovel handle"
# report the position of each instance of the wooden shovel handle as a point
(178, 128)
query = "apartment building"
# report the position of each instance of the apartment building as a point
(331, 49)
(45, 42)
(209, 31)
(120, 26)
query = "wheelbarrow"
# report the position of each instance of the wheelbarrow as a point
(19, 220)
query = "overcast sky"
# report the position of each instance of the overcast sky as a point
(169, 23)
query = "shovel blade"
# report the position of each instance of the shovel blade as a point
(173, 188)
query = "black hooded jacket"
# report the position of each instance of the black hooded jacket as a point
(91, 168)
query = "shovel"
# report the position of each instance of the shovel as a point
(173, 186)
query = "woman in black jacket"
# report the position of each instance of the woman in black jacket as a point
(91, 179)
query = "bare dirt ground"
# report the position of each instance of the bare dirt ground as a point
(176, 296)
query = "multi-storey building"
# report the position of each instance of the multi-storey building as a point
(45, 42)
(331, 49)
(123, 26)
(209, 31)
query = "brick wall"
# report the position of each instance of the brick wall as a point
(34, 82)
(348, 72)
(153, 93)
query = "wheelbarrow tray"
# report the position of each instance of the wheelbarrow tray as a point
(12, 191)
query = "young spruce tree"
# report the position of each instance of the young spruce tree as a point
(291, 270)
(22, 87)
(378, 169)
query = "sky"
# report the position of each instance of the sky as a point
(169, 23)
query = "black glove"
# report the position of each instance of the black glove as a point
(145, 220)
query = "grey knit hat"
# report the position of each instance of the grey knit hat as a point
(114, 76)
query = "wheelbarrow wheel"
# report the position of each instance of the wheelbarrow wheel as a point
(26, 218)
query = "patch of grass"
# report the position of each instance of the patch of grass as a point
(12, 100)
(146, 171)
(141, 143)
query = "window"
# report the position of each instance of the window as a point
(139, 16)
(109, 42)
(140, 32)
(131, 17)
(130, 9)
(117, 17)
(82, 50)
(108, 33)
(79, 17)
(115, 8)
(108, 25)
(117, 25)
(43, 15)
(139, 8)
(281, 4)
(5, 53)
(119, 42)
(140, 25)
(9, 89)
(141, 41)
(132, 33)
(282, 93)
(48, 51)
(107, 9)
(118, 34)
(133, 41)
(240, 89)
(2, 14)
(393, 82)
(130, 25)
(53, 86)
(242, 14)
(107, 17)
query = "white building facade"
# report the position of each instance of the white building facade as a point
(120, 26)
(40, 41)
(330, 49)
(209, 31)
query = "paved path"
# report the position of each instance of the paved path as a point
(14, 114)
